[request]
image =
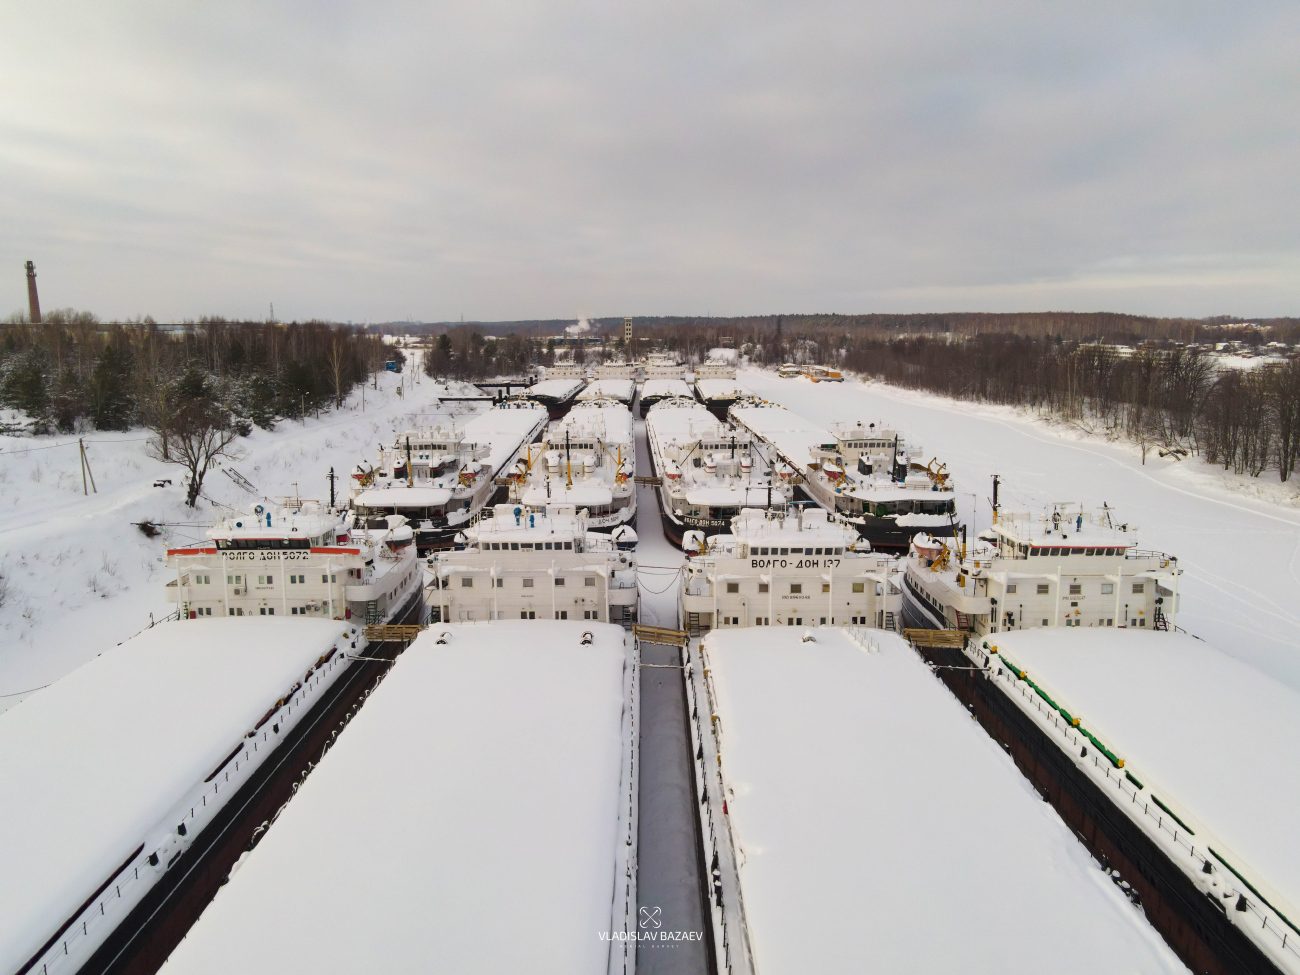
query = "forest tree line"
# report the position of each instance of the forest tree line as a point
(87, 375)
(1171, 398)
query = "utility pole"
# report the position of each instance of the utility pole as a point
(331, 476)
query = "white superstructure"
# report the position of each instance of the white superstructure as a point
(865, 472)
(520, 564)
(1064, 567)
(708, 471)
(588, 460)
(302, 559)
(788, 568)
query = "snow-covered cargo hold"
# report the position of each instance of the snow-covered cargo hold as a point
(656, 390)
(1198, 751)
(112, 773)
(477, 816)
(622, 390)
(557, 395)
(860, 819)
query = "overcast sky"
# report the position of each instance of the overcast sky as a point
(517, 160)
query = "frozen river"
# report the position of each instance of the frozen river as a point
(1240, 591)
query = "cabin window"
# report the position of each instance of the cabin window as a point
(528, 583)
(514, 546)
(1107, 588)
(562, 614)
(1042, 589)
(1139, 588)
(568, 546)
(500, 583)
(826, 587)
(590, 614)
(589, 581)
(527, 614)
(1076, 589)
(1011, 589)
(796, 588)
(547, 546)
(559, 580)
(733, 587)
(762, 587)
(466, 582)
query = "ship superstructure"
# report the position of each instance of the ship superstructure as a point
(440, 477)
(548, 564)
(864, 472)
(1065, 566)
(301, 559)
(788, 568)
(707, 470)
(588, 460)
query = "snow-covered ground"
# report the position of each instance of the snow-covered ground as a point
(472, 818)
(880, 828)
(99, 763)
(1208, 733)
(80, 577)
(1236, 538)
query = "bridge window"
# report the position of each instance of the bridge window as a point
(528, 583)
(796, 588)
(1139, 587)
(466, 582)
(589, 581)
(1107, 588)
(1042, 589)
(1011, 589)
(1076, 589)
(762, 587)
(859, 587)
(733, 587)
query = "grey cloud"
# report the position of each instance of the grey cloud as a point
(528, 159)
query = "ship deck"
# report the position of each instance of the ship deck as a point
(878, 827)
(446, 830)
(1210, 737)
(93, 764)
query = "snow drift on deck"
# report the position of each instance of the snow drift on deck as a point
(1212, 734)
(883, 830)
(464, 822)
(504, 431)
(93, 763)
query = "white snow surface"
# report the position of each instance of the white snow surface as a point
(465, 822)
(81, 577)
(1197, 727)
(92, 764)
(506, 430)
(883, 830)
(1239, 547)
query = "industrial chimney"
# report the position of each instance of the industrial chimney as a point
(33, 302)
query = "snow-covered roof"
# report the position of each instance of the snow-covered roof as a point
(584, 494)
(719, 388)
(92, 764)
(505, 431)
(687, 421)
(790, 433)
(1075, 528)
(722, 495)
(850, 769)
(620, 389)
(311, 521)
(467, 820)
(763, 528)
(1211, 736)
(558, 389)
(399, 495)
(665, 387)
(610, 421)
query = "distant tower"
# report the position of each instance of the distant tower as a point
(627, 332)
(33, 302)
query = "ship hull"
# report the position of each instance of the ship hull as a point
(884, 534)
(916, 614)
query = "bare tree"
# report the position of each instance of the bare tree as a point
(199, 432)
(337, 357)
